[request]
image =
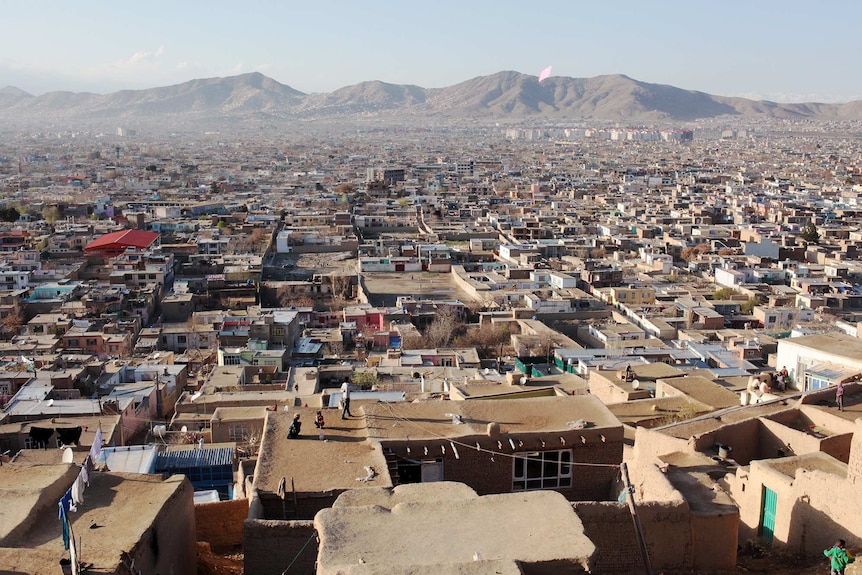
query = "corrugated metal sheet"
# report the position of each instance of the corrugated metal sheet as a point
(192, 458)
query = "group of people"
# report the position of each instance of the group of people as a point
(296, 425)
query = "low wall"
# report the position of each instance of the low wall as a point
(221, 523)
(666, 526)
(271, 546)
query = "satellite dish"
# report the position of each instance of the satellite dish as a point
(68, 455)
(523, 380)
(159, 430)
(184, 429)
(50, 402)
(636, 383)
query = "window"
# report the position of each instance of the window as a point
(231, 360)
(278, 331)
(91, 342)
(814, 382)
(542, 470)
(238, 432)
(181, 339)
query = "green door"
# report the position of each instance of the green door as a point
(767, 514)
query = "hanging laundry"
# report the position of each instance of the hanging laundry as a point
(65, 502)
(96, 449)
(85, 472)
(40, 436)
(65, 523)
(69, 435)
(78, 492)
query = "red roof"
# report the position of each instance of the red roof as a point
(118, 241)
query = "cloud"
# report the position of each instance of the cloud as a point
(142, 58)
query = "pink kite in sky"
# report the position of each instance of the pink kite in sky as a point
(545, 73)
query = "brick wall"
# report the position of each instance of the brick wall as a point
(271, 546)
(477, 470)
(221, 524)
(609, 526)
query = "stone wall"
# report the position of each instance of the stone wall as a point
(272, 546)
(221, 523)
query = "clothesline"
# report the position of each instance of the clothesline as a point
(493, 453)
(74, 496)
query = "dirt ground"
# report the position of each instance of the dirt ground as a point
(210, 563)
(384, 288)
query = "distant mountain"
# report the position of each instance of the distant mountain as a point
(500, 95)
(365, 98)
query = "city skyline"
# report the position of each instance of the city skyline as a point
(782, 52)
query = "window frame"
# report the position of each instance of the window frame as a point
(537, 470)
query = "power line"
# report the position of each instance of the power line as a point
(286, 569)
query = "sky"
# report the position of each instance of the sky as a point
(780, 50)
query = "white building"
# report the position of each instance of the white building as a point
(815, 361)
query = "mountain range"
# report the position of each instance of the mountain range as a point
(504, 95)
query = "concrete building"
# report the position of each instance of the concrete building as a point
(816, 361)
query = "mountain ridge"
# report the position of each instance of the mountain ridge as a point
(505, 94)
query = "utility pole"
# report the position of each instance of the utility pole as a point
(630, 499)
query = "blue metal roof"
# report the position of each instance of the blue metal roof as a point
(191, 458)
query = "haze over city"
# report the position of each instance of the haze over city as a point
(783, 51)
(369, 288)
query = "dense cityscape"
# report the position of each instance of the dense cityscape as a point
(294, 351)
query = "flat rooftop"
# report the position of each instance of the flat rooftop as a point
(332, 464)
(706, 424)
(124, 506)
(815, 461)
(695, 476)
(384, 288)
(838, 344)
(358, 536)
(433, 419)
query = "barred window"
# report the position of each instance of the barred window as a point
(238, 433)
(542, 470)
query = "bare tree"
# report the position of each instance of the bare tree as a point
(488, 341)
(442, 329)
(12, 323)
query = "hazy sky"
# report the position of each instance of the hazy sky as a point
(784, 50)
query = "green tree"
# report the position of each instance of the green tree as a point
(747, 308)
(9, 214)
(810, 234)
(364, 379)
(51, 214)
(723, 293)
